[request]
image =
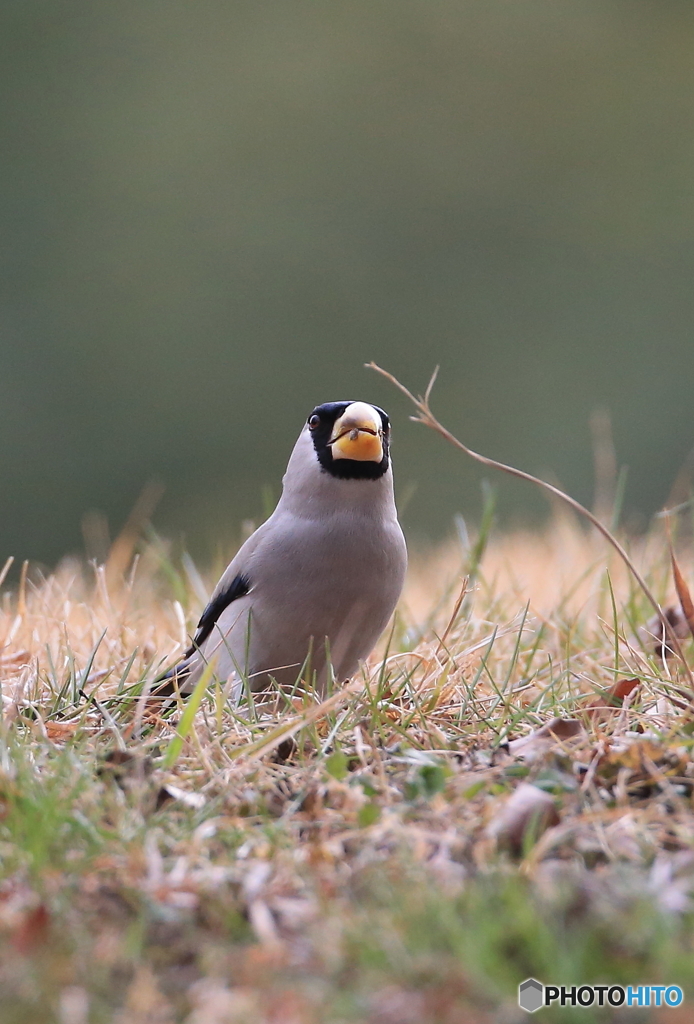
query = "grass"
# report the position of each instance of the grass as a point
(358, 859)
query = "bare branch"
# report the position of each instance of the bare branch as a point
(430, 385)
(427, 417)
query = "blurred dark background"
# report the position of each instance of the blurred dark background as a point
(212, 213)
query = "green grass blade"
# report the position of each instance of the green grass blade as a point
(175, 746)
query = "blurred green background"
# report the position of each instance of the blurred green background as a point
(212, 213)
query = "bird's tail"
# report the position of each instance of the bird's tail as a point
(172, 682)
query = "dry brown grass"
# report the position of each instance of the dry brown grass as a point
(359, 859)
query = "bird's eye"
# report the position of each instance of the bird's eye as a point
(313, 421)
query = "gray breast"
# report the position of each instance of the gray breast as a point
(338, 578)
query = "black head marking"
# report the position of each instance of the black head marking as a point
(321, 423)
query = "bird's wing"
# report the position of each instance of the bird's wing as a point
(234, 583)
(225, 593)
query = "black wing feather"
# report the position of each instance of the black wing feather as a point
(239, 587)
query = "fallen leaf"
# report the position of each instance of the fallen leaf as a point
(653, 633)
(59, 732)
(685, 597)
(527, 813)
(603, 703)
(32, 931)
(539, 741)
(184, 796)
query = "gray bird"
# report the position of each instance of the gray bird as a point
(314, 587)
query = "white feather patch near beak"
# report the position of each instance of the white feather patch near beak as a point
(358, 434)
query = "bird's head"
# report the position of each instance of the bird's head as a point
(351, 439)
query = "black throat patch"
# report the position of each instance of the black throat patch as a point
(345, 469)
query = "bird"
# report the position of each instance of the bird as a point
(310, 592)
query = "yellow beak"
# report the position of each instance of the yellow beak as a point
(358, 434)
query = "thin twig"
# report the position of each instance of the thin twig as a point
(427, 417)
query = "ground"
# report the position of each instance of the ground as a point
(506, 792)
